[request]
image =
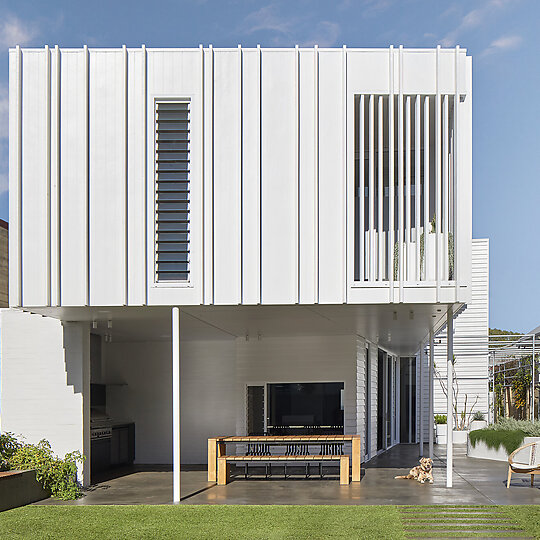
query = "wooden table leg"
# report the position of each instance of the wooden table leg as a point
(344, 470)
(356, 459)
(212, 460)
(223, 470)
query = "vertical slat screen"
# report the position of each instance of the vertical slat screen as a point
(172, 191)
(371, 193)
(417, 151)
(408, 152)
(424, 251)
(404, 151)
(380, 190)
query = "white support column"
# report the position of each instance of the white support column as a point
(431, 374)
(176, 402)
(450, 395)
(421, 401)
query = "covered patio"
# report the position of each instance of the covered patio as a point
(191, 369)
(475, 482)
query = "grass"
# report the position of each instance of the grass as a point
(198, 522)
(240, 522)
(528, 517)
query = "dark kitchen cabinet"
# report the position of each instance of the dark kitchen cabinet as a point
(123, 444)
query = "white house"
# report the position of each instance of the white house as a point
(218, 238)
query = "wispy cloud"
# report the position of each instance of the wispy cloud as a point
(13, 31)
(290, 30)
(472, 20)
(372, 8)
(325, 34)
(504, 43)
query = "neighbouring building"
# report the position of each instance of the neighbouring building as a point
(308, 210)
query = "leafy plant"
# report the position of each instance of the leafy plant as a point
(8, 446)
(440, 419)
(478, 416)
(520, 385)
(59, 476)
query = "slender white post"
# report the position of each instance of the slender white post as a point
(431, 373)
(176, 402)
(420, 401)
(450, 396)
(532, 378)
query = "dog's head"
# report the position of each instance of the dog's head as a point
(426, 464)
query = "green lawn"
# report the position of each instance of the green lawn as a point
(217, 522)
(526, 516)
(194, 522)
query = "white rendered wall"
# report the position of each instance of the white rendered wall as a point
(44, 382)
(271, 169)
(207, 395)
(298, 359)
(470, 340)
(213, 386)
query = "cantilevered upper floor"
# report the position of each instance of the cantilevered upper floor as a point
(239, 176)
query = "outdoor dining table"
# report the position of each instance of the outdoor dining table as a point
(217, 447)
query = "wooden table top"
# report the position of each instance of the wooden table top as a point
(287, 438)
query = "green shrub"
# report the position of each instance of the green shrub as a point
(531, 429)
(59, 476)
(440, 418)
(495, 438)
(478, 415)
(8, 446)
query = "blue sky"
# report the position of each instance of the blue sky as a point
(502, 36)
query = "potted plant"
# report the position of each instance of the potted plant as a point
(440, 428)
(478, 421)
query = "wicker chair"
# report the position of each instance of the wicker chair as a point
(524, 460)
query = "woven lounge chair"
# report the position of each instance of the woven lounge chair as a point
(524, 460)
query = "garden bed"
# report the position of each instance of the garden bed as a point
(18, 488)
(496, 444)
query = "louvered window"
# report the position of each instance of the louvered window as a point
(172, 191)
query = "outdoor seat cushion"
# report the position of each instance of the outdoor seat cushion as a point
(522, 466)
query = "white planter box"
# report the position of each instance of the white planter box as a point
(440, 430)
(500, 454)
(460, 437)
(477, 424)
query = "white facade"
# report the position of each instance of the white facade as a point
(321, 202)
(274, 139)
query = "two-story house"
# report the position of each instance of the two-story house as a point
(215, 241)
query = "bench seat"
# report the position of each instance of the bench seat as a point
(224, 470)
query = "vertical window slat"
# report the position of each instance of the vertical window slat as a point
(408, 152)
(380, 195)
(427, 180)
(371, 187)
(417, 150)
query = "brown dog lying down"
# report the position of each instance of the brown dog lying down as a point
(421, 472)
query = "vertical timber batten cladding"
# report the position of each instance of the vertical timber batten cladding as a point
(291, 152)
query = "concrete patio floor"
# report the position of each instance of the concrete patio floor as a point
(476, 481)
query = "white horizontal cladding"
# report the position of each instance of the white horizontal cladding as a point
(274, 180)
(471, 329)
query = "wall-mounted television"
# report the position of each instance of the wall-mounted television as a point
(305, 408)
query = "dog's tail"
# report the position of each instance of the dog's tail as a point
(404, 477)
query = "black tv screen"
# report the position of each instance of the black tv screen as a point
(305, 407)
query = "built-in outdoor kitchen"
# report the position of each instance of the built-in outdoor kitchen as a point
(112, 440)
